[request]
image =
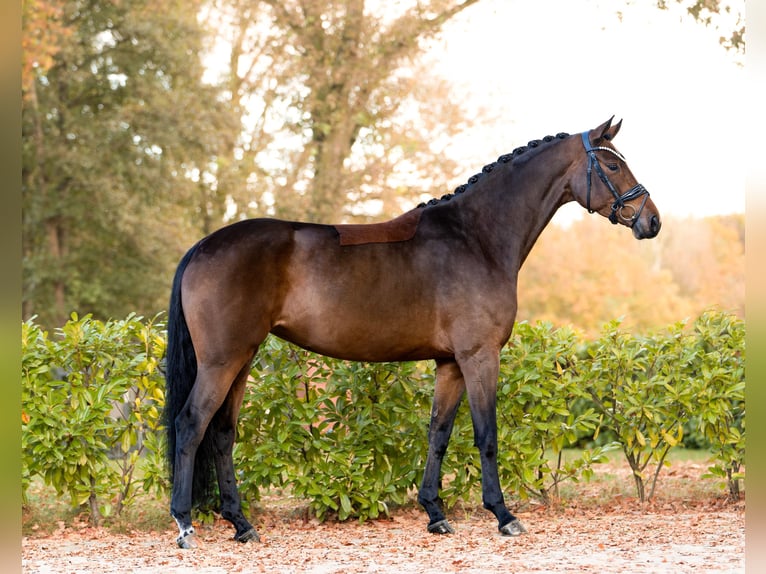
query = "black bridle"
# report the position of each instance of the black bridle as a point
(619, 205)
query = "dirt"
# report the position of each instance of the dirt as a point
(618, 535)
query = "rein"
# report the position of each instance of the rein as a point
(619, 205)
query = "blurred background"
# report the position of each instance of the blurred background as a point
(147, 125)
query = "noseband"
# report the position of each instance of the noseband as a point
(618, 207)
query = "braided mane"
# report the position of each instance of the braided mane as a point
(503, 159)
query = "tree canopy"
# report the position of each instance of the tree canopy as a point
(135, 145)
(116, 123)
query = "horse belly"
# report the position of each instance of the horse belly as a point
(363, 323)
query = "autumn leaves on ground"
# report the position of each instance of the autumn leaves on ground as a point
(596, 527)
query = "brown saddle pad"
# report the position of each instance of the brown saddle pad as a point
(400, 228)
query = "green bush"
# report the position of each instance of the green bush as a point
(719, 364)
(351, 438)
(640, 388)
(92, 398)
(540, 386)
(649, 389)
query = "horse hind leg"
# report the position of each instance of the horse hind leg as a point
(223, 428)
(194, 447)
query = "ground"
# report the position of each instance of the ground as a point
(676, 533)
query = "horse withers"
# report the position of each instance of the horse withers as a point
(438, 282)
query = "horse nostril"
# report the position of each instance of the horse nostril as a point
(654, 224)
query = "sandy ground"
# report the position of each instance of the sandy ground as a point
(617, 535)
(712, 541)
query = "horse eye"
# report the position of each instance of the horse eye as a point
(612, 166)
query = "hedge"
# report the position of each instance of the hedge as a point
(351, 438)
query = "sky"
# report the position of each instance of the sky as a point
(545, 66)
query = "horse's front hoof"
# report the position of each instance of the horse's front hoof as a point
(188, 541)
(247, 536)
(513, 528)
(441, 527)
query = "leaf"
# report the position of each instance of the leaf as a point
(345, 504)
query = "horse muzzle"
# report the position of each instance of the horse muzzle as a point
(647, 227)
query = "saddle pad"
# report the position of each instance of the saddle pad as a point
(400, 228)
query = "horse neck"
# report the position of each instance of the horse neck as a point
(512, 207)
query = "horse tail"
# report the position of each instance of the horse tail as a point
(180, 374)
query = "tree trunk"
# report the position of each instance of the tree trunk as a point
(56, 250)
(95, 513)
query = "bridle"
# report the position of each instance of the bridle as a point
(619, 205)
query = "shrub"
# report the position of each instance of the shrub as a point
(351, 438)
(540, 385)
(348, 437)
(91, 403)
(719, 364)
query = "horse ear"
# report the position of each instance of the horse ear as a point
(598, 133)
(612, 131)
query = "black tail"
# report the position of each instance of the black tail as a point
(180, 373)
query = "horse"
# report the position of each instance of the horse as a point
(436, 283)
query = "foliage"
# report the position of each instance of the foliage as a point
(691, 265)
(91, 403)
(728, 17)
(647, 388)
(45, 32)
(719, 362)
(351, 438)
(115, 125)
(541, 387)
(639, 387)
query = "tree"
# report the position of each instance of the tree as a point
(330, 94)
(711, 12)
(706, 258)
(590, 273)
(118, 134)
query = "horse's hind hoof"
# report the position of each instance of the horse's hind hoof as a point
(441, 527)
(247, 536)
(187, 542)
(513, 528)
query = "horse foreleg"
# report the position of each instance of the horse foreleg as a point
(447, 394)
(224, 432)
(481, 373)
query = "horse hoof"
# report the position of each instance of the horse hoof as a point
(187, 542)
(513, 528)
(247, 536)
(441, 527)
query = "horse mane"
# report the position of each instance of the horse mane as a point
(503, 159)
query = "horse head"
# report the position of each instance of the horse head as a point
(609, 188)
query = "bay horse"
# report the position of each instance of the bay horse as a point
(438, 282)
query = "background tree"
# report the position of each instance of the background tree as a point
(133, 148)
(725, 16)
(332, 103)
(586, 274)
(118, 134)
